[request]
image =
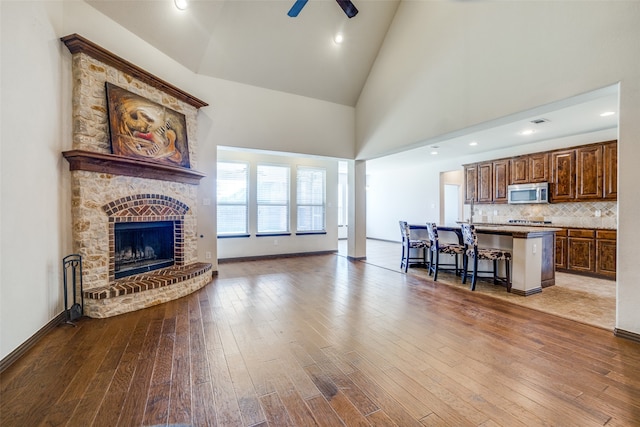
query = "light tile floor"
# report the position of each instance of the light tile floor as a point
(580, 298)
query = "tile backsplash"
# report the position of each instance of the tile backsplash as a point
(601, 214)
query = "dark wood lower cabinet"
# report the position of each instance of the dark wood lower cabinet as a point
(606, 253)
(586, 251)
(581, 251)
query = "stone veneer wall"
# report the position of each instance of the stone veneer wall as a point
(91, 191)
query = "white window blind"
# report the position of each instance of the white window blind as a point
(311, 199)
(273, 199)
(232, 198)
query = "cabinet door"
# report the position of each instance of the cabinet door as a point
(519, 168)
(606, 253)
(563, 171)
(561, 249)
(547, 274)
(470, 181)
(610, 170)
(539, 167)
(581, 252)
(589, 173)
(485, 180)
(500, 180)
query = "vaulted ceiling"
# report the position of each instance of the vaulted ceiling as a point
(257, 43)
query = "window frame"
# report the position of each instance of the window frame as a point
(300, 205)
(287, 204)
(219, 203)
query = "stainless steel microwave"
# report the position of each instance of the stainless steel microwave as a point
(528, 193)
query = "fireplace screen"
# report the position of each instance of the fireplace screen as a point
(142, 246)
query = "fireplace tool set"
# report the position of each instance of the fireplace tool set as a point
(72, 267)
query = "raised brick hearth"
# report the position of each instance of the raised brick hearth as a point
(108, 190)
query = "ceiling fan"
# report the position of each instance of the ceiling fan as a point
(346, 5)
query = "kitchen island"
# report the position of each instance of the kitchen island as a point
(532, 249)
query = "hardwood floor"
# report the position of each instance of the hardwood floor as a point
(320, 340)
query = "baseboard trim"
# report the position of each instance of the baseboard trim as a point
(356, 258)
(25, 346)
(626, 334)
(276, 256)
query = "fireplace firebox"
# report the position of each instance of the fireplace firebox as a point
(141, 247)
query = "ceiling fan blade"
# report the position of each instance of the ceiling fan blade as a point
(296, 8)
(348, 7)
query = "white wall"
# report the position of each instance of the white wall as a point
(265, 245)
(466, 63)
(35, 201)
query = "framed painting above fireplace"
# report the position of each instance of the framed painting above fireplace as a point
(144, 129)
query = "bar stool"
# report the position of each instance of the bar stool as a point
(470, 240)
(437, 248)
(407, 244)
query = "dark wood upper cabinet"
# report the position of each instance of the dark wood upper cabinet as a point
(538, 167)
(519, 168)
(470, 182)
(589, 179)
(485, 181)
(588, 172)
(500, 180)
(610, 170)
(563, 175)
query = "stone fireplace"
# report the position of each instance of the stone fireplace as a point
(134, 220)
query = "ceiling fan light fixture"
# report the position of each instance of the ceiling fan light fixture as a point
(181, 4)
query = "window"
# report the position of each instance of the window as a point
(232, 198)
(311, 199)
(273, 199)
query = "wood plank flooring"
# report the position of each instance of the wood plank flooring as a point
(321, 340)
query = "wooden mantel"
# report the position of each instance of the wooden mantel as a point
(120, 165)
(78, 44)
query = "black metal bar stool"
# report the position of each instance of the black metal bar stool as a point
(446, 248)
(407, 244)
(470, 239)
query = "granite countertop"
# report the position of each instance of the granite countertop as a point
(520, 231)
(516, 230)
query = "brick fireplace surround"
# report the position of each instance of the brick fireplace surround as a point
(108, 189)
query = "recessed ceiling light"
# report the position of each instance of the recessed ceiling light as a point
(180, 4)
(433, 153)
(527, 132)
(607, 113)
(473, 143)
(339, 38)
